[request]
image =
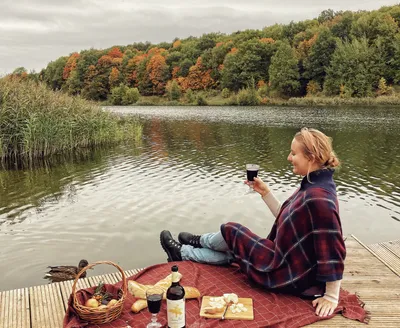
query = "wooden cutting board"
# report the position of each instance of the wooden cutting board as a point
(247, 302)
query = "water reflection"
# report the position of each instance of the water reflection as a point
(188, 175)
(45, 183)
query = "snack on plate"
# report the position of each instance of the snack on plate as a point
(231, 298)
(214, 310)
(218, 304)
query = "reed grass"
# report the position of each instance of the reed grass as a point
(36, 122)
(393, 100)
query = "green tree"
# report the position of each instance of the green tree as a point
(355, 66)
(53, 74)
(131, 96)
(395, 60)
(318, 61)
(342, 25)
(19, 71)
(250, 63)
(185, 67)
(374, 24)
(326, 15)
(173, 90)
(86, 59)
(73, 83)
(225, 93)
(117, 94)
(189, 96)
(284, 71)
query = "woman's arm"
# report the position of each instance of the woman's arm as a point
(273, 204)
(268, 197)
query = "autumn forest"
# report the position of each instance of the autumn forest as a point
(338, 54)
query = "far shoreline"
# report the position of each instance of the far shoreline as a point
(381, 101)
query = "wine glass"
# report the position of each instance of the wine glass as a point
(154, 296)
(252, 172)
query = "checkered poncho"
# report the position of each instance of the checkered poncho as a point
(305, 246)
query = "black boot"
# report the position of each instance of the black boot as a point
(170, 246)
(186, 238)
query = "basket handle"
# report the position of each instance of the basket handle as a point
(124, 282)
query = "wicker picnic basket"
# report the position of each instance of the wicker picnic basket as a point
(103, 315)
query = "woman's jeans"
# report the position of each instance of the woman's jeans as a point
(214, 251)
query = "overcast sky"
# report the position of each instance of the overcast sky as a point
(35, 32)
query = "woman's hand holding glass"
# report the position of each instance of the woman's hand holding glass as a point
(259, 186)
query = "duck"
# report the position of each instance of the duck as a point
(65, 272)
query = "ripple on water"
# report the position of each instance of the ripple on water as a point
(188, 175)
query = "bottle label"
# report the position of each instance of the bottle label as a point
(176, 313)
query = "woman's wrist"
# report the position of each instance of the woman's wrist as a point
(332, 291)
(265, 192)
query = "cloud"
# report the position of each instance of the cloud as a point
(34, 32)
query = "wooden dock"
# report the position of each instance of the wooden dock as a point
(373, 272)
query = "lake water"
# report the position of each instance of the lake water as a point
(187, 174)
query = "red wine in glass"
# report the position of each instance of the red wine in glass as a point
(252, 172)
(154, 303)
(154, 296)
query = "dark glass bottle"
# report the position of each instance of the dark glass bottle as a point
(176, 301)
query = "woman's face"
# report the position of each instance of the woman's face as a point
(301, 164)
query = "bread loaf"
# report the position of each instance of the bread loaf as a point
(138, 290)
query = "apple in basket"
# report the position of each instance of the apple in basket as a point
(92, 303)
(100, 298)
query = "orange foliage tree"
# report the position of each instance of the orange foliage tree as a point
(267, 40)
(176, 44)
(131, 69)
(70, 65)
(115, 53)
(105, 61)
(157, 70)
(198, 78)
(115, 77)
(304, 47)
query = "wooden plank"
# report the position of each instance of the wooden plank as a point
(36, 308)
(57, 309)
(21, 308)
(375, 322)
(353, 244)
(386, 256)
(393, 246)
(94, 281)
(112, 278)
(382, 260)
(66, 288)
(14, 301)
(26, 322)
(383, 307)
(2, 310)
(7, 306)
(48, 305)
(44, 306)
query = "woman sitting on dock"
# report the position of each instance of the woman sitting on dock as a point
(304, 253)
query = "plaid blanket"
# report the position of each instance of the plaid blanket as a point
(270, 309)
(305, 246)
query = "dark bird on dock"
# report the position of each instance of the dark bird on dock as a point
(65, 272)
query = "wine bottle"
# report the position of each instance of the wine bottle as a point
(176, 301)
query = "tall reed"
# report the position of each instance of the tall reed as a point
(36, 122)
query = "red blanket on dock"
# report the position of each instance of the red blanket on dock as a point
(270, 309)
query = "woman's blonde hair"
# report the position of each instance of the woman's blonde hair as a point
(316, 145)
